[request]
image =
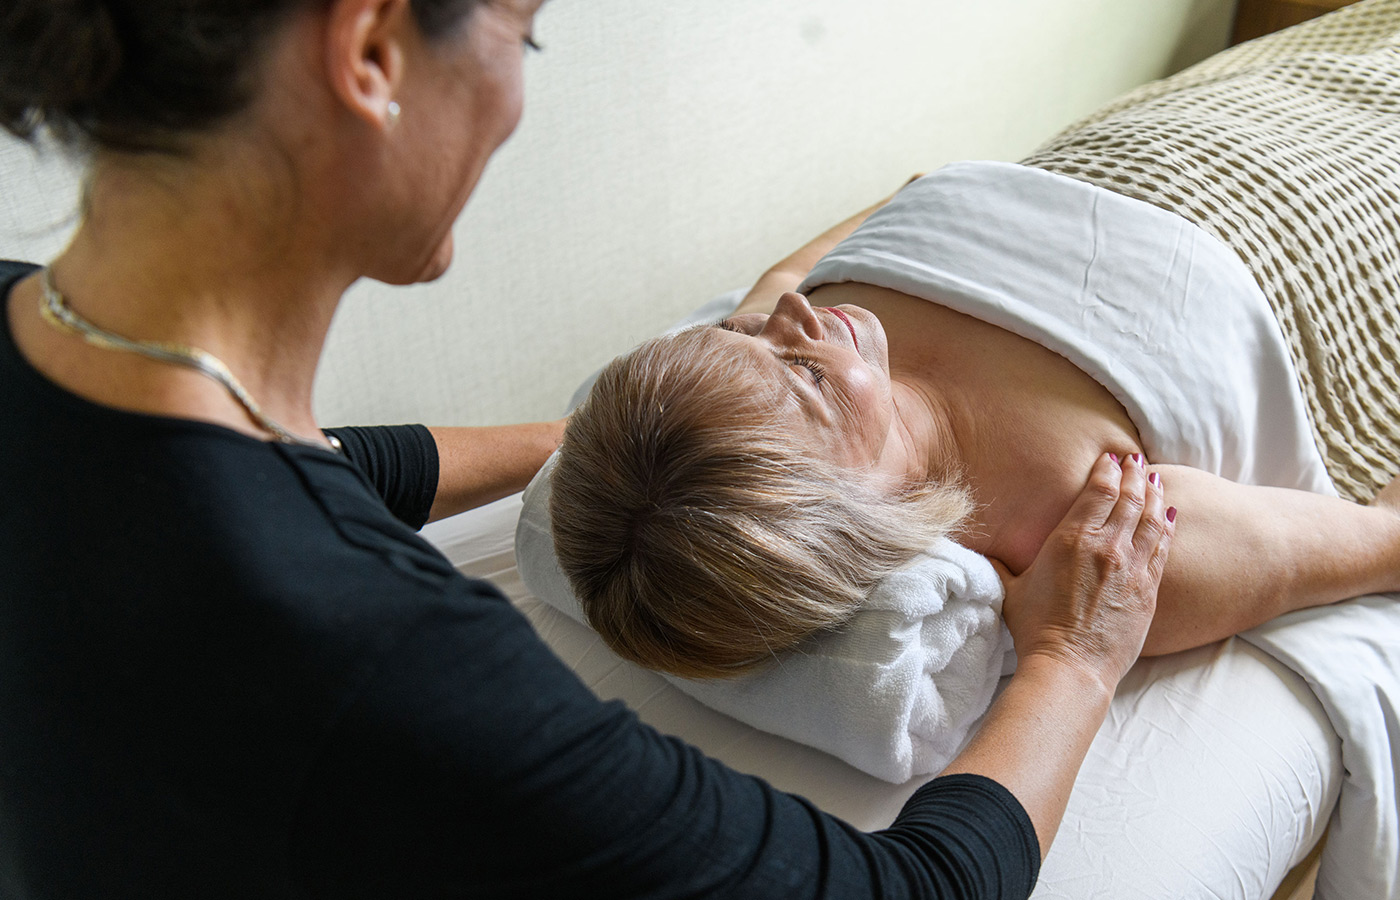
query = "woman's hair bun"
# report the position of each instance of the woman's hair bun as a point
(57, 58)
(142, 75)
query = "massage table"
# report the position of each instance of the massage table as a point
(1214, 776)
(1218, 770)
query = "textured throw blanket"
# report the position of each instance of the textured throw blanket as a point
(1288, 150)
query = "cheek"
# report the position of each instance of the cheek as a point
(870, 394)
(512, 106)
(500, 96)
(867, 407)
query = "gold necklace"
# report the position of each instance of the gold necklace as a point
(54, 309)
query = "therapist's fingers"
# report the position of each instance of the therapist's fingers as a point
(1156, 528)
(1132, 495)
(1152, 523)
(1089, 596)
(1096, 502)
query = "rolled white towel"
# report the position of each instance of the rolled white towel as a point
(894, 692)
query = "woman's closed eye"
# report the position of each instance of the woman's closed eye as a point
(818, 373)
(745, 323)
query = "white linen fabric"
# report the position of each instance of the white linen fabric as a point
(1349, 654)
(1155, 309)
(1213, 775)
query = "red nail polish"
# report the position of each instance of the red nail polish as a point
(1137, 458)
(1155, 479)
(1114, 457)
(1171, 513)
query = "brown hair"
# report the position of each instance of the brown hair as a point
(137, 75)
(700, 535)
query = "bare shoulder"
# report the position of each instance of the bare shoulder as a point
(1027, 423)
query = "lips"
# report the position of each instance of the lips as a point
(845, 320)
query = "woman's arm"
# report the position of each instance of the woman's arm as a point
(1246, 554)
(788, 273)
(1078, 616)
(478, 465)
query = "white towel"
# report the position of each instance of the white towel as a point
(894, 692)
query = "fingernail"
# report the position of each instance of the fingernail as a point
(1171, 513)
(1137, 458)
(1155, 479)
(1114, 457)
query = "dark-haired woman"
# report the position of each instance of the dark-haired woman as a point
(245, 675)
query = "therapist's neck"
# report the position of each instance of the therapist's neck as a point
(219, 257)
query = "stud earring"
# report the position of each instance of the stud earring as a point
(392, 113)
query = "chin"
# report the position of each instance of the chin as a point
(437, 264)
(435, 270)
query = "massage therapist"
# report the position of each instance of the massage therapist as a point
(228, 665)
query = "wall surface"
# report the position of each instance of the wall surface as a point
(672, 151)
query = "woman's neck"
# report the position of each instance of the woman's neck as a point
(925, 446)
(214, 257)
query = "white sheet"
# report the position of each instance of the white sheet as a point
(1214, 773)
(1204, 373)
(1350, 656)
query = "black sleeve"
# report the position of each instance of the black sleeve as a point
(476, 764)
(400, 461)
(12, 271)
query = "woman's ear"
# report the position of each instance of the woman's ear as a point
(364, 55)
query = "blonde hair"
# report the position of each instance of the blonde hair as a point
(699, 534)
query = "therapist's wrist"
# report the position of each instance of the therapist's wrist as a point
(1065, 675)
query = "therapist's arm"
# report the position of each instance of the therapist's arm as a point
(481, 464)
(1079, 616)
(789, 272)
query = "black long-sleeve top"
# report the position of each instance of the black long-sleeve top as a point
(229, 669)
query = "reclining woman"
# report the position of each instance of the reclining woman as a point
(728, 491)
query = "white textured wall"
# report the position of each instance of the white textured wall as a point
(670, 151)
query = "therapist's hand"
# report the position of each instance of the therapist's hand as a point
(1089, 596)
(1079, 615)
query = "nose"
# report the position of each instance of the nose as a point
(793, 316)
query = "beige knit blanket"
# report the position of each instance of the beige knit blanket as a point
(1287, 148)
